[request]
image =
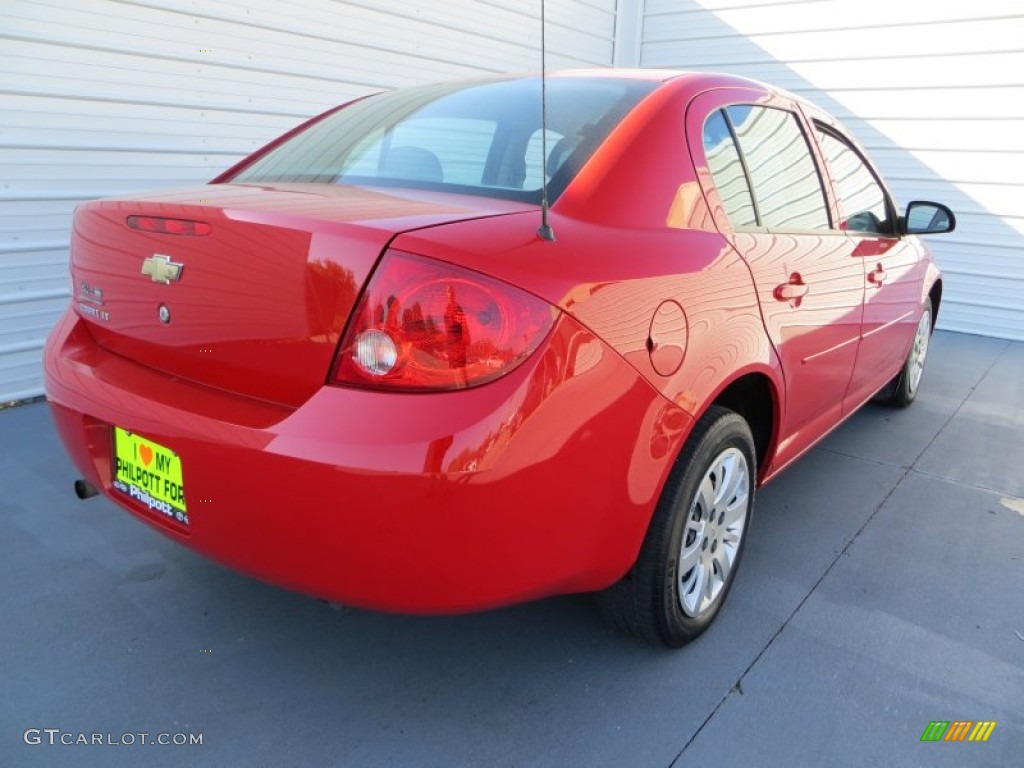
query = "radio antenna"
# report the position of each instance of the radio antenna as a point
(545, 230)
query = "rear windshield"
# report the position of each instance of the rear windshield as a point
(478, 138)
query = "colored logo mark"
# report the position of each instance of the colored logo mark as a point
(958, 730)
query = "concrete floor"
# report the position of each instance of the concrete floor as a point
(883, 588)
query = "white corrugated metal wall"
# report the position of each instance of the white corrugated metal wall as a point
(105, 97)
(934, 90)
(101, 97)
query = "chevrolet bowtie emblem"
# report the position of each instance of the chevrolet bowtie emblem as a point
(162, 269)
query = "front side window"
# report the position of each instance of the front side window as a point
(783, 175)
(476, 138)
(863, 205)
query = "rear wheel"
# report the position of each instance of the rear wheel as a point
(902, 390)
(693, 547)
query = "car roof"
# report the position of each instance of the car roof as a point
(694, 80)
(682, 79)
(608, 73)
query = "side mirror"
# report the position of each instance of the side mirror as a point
(925, 218)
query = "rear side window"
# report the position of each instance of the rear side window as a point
(863, 205)
(786, 185)
(727, 170)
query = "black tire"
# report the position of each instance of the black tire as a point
(902, 390)
(649, 601)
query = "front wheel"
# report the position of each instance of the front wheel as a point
(902, 390)
(693, 547)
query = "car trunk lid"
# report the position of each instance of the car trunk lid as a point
(256, 305)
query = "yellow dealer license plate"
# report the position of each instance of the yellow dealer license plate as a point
(149, 473)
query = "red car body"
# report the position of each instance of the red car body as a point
(544, 479)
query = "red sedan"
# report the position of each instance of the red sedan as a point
(354, 366)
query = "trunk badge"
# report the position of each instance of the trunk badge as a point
(164, 313)
(90, 293)
(162, 269)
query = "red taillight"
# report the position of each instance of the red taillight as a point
(169, 226)
(426, 325)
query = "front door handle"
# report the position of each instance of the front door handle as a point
(877, 276)
(793, 291)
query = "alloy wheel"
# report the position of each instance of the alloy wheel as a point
(713, 531)
(919, 351)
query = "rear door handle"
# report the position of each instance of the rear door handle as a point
(793, 291)
(877, 275)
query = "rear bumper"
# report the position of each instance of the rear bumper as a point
(540, 483)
